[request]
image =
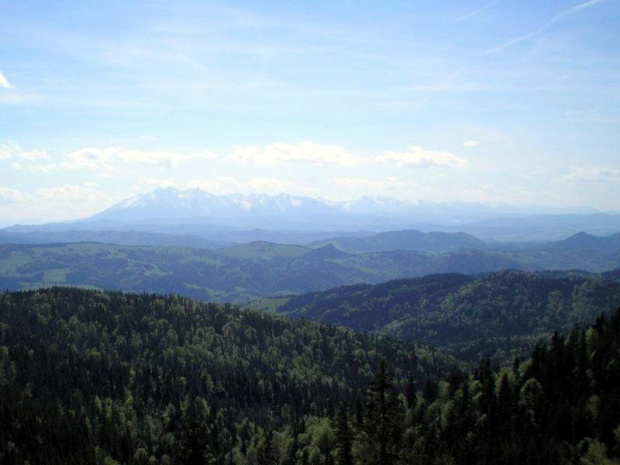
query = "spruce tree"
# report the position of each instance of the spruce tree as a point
(344, 436)
(383, 419)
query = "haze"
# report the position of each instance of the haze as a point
(500, 102)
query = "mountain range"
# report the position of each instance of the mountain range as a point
(196, 212)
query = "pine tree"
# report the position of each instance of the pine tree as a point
(266, 454)
(344, 436)
(383, 419)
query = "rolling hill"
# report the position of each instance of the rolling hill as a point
(262, 269)
(405, 240)
(500, 314)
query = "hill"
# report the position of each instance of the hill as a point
(588, 242)
(110, 378)
(11, 236)
(237, 273)
(263, 269)
(500, 314)
(89, 376)
(405, 240)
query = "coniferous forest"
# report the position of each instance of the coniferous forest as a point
(106, 377)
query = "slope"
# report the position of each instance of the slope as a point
(88, 376)
(500, 314)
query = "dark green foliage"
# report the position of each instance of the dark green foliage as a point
(344, 436)
(501, 314)
(106, 378)
(87, 374)
(383, 420)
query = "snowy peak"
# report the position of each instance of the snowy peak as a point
(196, 203)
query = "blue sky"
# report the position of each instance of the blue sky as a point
(477, 101)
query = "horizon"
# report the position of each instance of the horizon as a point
(492, 103)
(400, 209)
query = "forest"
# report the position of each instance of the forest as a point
(112, 378)
(261, 269)
(502, 315)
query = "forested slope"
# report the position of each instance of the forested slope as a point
(86, 375)
(259, 269)
(498, 314)
(108, 378)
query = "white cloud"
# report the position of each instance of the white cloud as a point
(4, 82)
(536, 171)
(419, 157)
(42, 167)
(592, 174)
(12, 149)
(71, 192)
(156, 182)
(319, 154)
(224, 184)
(270, 185)
(357, 182)
(391, 182)
(96, 158)
(8, 195)
(304, 152)
(471, 143)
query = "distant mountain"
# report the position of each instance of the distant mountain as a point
(286, 218)
(542, 227)
(499, 314)
(171, 203)
(585, 241)
(283, 211)
(109, 237)
(404, 240)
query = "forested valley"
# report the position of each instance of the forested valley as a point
(107, 378)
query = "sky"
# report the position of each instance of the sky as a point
(445, 101)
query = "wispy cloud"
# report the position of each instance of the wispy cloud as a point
(471, 144)
(471, 14)
(547, 25)
(319, 154)
(12, 149)
(83, 192)
(389, 183)
(419, 157)
(106, 158)
(308, 152)
(8, 195)
(4, 82)
(42, 167)
(592, 174)
(270, 185)
(220, 185)
(157, 182)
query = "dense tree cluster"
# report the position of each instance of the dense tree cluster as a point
(107, 378)
(87, 376)
(501, 315)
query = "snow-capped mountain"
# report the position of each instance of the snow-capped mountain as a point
(245, 210)
(171, 203)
